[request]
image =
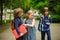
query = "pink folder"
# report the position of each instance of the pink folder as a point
(22, 30)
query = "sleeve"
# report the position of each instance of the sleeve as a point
(16, 26)
(21, 21)
(50, 20)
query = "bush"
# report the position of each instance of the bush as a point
(55, 18)
(24, 15)
(7, 21)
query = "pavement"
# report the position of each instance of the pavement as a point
(55, 32)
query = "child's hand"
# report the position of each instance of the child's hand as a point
(21, 34)
(25, 24)
(47, 23)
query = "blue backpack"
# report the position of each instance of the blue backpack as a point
(40, 23)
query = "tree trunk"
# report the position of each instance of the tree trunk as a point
(1, 7)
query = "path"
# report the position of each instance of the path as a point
(55, 33)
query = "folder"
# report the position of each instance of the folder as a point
(22, 30)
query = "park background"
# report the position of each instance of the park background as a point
(7, 7)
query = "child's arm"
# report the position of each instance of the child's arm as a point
(50, 21)
(16, 26)
(31, 25)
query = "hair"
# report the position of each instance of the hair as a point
(46, 9)
(28, 13)
(16, 12)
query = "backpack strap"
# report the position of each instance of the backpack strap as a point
(12, 25)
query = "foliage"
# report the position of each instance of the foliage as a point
(53, 5)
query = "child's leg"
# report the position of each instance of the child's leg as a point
(25, 37)
(48, 35)
(42, 35)
(20, 38)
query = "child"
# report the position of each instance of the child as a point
(44, 24)
(30, 25)
(18, 20)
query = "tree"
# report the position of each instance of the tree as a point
(54, 6)
(1, 8)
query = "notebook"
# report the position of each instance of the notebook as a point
(22, 30)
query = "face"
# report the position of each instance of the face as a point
(46, 11)
(31, 16)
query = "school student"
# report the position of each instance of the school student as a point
(30, 25)
(44, 24)
(18, 21)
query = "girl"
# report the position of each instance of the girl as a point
(44, 24)
(18, 20)
(30, 25)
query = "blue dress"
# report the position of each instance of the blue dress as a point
(31, 34)
(17, 22)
